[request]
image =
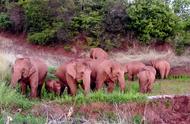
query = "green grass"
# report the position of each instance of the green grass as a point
(11, 98)
(172, 86)
(22, 119)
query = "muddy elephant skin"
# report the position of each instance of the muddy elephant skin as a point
(29, 72)
(162, 66)
(53, 86)
(133, 68)
(98, 53)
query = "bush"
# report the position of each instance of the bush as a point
(38, 15)
(88, 23)
(5, 22)
(42, 38)
(149, 21)
(115, 17)
(17, 17)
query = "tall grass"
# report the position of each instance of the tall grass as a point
(11, 98)
(20, 119)
(4, 67)
(131, 94)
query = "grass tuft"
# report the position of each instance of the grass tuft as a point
(11, 98)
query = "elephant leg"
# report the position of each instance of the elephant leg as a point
(33, 93)
(111, 86)
(23, 88)
(39, 90)
(162, 73)
(34, 86)
(72, 85)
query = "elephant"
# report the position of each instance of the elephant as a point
(98, 53)
(133, 68)
(108, 72)
(150, 68)
(53, 86)
(29, 72)
(162, 66)
(146, 79)
(71, 73)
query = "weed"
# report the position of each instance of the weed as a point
(11, 98)
(137, 119)
(21, 119)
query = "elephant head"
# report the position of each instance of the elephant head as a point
(116, 73)
(80, 71)
(21, 70)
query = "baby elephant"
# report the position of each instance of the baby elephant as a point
(53, 86)
(146, 79)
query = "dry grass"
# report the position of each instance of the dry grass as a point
(147, 55)
(5, 67)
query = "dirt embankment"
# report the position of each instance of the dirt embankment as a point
(175, 110)
(12, 45)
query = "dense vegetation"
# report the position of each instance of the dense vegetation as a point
(104, 22)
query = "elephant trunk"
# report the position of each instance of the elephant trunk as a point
(86, 81)
(14, 79)
(121, 80)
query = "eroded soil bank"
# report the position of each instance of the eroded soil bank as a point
(169, 110)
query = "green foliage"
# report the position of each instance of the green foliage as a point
(42, 38)
(5, 22)
(149, 21)
(137, 119)
(10, 98)
(38, 16)
(87, 22)
(22, 119)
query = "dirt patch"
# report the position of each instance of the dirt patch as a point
(168, 111)
(92, 111)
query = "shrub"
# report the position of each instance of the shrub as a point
(149, 21)
(115, 16)
(5, 22)
(88, 23)
(17, 17)
(42, 38)
(38, 15)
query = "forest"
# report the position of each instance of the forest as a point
(104, 23)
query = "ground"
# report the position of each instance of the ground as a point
(101, 107)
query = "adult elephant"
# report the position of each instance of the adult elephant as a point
(98, 53)
(29, 72)
(70, 75)
(133, 68)
(108, 72)
(146, 78)
(162, 66)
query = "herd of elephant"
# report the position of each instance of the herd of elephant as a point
(91, 73)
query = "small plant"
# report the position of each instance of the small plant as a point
(5, 22)
(10, 98)
(137, 119)
(42, 38)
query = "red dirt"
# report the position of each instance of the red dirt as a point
(159, 111)
(169, 111)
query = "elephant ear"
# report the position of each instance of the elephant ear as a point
(27, 67)
(71, 70)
